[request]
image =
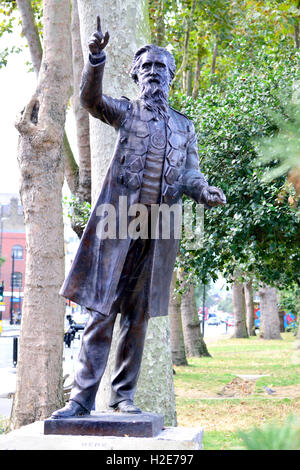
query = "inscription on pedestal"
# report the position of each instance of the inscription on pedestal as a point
(107, 424)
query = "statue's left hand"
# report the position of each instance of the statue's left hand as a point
(213, 196)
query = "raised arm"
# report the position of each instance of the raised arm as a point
(109, 110)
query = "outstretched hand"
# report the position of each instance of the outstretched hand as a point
(98, 41)
(213, 196)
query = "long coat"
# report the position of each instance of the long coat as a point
(96, 269)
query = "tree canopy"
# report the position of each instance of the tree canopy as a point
(237, 66)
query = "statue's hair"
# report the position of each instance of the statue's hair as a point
(152, 47)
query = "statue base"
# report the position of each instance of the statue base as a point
(32, 437)
(107, 424)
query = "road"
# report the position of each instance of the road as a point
(216, 330)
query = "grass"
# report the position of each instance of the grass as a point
(4, 423)
(209, 394)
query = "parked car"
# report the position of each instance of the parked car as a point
(213, 320)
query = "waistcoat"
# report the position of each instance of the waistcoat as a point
(151, 184)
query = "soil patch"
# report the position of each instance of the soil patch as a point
(239, 388)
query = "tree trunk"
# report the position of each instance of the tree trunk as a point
(41, 128)
(269, 313)
(77, 176)
(177, 341)
(81, 115)
(159, 38)
(193, 339)
(248, 292)
(298, 337)
(239, 311)
(185, 60)
(297, 31)
(214, 62)
(197, 71)
(127, 23)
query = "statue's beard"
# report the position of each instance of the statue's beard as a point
(155, 97)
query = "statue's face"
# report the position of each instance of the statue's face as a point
(153, 70)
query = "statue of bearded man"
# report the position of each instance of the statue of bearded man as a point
(155, 162)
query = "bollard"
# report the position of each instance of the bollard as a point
(15, 350)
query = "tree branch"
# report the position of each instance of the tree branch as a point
(81, 115)
(29, 29)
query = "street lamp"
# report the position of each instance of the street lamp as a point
(2, 219)
(12, 287)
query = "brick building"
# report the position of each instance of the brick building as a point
(12, 249)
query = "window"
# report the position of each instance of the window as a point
(17, 252)
(17, 280)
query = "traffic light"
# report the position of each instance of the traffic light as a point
(1, 292)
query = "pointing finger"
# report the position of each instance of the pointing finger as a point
(98, 23)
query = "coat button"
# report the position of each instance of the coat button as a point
(123, 140)
(122, 159)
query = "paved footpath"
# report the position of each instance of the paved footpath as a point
(8, 371)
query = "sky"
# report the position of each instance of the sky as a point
(16, 88)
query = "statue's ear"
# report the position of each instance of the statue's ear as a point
(133, 75)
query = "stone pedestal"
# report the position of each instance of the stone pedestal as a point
(32, 437)
(107, 424)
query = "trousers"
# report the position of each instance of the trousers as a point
(97, 336)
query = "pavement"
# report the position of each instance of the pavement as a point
(8, 373)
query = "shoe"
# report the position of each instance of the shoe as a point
(127, 406)
(70, 410)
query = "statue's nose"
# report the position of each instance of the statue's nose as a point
(153, 71)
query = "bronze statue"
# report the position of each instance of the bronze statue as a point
(155, 162)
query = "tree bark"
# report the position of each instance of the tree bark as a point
(297, 31)
(177, 340)
(298, 338)
(127, 23)
(160, 26)
(193, 340)
(185, 60)
(214, 62)
(248, 292)
(269, 313)
(41, 129)
(239, 310)
(78, 177)
(197, 71)
(81, 115)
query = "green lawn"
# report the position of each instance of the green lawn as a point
(210, 395)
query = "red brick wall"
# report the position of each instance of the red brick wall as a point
(9, 239)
